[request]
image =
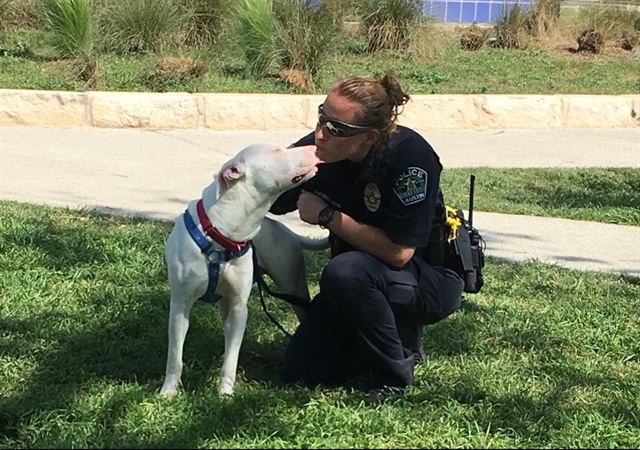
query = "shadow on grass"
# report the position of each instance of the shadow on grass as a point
(576, 188)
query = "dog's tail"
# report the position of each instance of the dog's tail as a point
(315, 244)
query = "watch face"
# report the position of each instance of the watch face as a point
(325, 215)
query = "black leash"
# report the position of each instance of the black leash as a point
(258, 277)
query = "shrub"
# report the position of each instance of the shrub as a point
(388, 23)
(172, 72)
(628, 41)
(613, 22)
(342, 10)
(19, 13)
(144, 25)
(303, 35)
(285, 36)
(71, 24)
(542, 17)
(205, 21)
(511, 28)
(256, 24)
(591, 41)
(430, 41)
(472, 38)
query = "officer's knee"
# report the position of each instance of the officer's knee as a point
(451, 295)
(347, 268)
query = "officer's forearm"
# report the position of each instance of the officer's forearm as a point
(370, 239)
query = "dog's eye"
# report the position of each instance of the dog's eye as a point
(297, 179)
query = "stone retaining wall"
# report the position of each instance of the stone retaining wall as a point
(279, 111)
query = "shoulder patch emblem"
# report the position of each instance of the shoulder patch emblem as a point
(372, 197)
(411, 186)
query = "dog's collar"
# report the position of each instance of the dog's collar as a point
(214, 233)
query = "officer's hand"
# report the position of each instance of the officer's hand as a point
(309, 206)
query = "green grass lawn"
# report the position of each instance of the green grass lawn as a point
(543, 357)
(609, 195)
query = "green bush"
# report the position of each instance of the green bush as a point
(139, 26)
(388, 23)
(256, 24)
(511, 28)
(205, 21)
(303, 35)
(71, 22)
(543, 16)
(613, 22)
(72, 27)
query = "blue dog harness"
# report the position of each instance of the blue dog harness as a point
(215, 256)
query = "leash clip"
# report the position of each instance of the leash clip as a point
(216, 256)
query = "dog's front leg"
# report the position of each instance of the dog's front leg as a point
(234, 313)
(178, 326)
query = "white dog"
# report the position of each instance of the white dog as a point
(208, 252)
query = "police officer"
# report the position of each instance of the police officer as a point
(376, 194)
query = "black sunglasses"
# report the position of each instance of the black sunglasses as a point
(337, 128)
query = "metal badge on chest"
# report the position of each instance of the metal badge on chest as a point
(372, 197)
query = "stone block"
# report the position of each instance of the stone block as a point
(515, 111)
(42, 108)
(600, 111)
(434, 112)
(259, 111)
(144, 110)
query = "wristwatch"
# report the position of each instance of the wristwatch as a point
(325, 215)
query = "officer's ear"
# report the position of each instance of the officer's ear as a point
(373, 137)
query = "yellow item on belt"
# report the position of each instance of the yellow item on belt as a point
(453, 221)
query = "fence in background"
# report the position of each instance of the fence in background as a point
(490, 11)
(469, 11)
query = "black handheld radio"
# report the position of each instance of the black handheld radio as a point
(473, 281)
(456, 244)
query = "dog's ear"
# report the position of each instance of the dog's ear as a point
(231, 173)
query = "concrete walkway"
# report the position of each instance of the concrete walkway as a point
(154, 173)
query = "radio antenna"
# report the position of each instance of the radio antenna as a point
(472, 182)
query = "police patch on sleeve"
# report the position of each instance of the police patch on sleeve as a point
(411, 186)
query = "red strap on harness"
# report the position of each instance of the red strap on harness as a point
(214, 233)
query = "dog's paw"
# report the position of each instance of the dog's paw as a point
(168, 391)
(169, 394)
(225, 388)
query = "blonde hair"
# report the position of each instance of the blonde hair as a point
(381, 99)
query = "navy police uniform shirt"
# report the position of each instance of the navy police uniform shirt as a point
(394, 188)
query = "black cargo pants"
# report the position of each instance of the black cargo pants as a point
(368, 317)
